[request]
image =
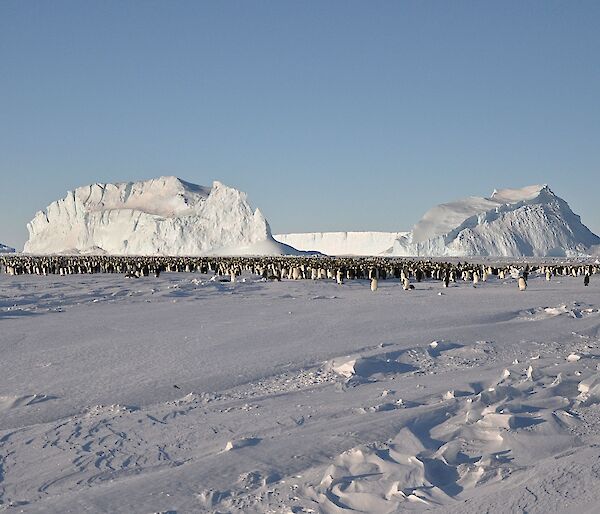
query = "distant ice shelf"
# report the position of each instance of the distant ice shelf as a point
(342, 243)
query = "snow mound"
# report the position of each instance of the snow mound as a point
(6, 249)
(162, 216)
(531, 221)
(342, 243)
(575, 310)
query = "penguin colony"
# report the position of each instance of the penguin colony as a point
(339, 269)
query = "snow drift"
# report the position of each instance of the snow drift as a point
(6, 249)
(163, 216)
(342, 243)
(531, 221)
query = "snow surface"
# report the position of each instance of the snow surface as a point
(531, 221)
(342, 243)
(6, 249)
(163, 216)
(182, 394)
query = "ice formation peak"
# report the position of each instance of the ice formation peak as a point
(161, 216)
(520, 195)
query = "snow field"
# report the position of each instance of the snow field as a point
(189, 395)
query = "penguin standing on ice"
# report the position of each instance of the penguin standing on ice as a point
(446, 279)
(374, 284)
(586, 279)
(522, 284)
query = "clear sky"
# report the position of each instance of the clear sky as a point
(331, 115)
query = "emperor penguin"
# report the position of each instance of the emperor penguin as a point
(339, 277)
(522, 284)
(586, 279)
(446, 279)
(374, 284)
(405, 284)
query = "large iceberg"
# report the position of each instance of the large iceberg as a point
(162, 216)
(531, 221)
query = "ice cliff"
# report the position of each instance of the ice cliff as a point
(342, 243)
(162, 216)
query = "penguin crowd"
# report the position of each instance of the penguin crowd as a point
(340, 269)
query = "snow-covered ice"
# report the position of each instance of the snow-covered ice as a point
(184, 394)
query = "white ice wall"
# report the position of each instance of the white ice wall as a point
(164, 216)
(342, 243)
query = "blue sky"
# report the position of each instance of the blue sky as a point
(330, 115)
